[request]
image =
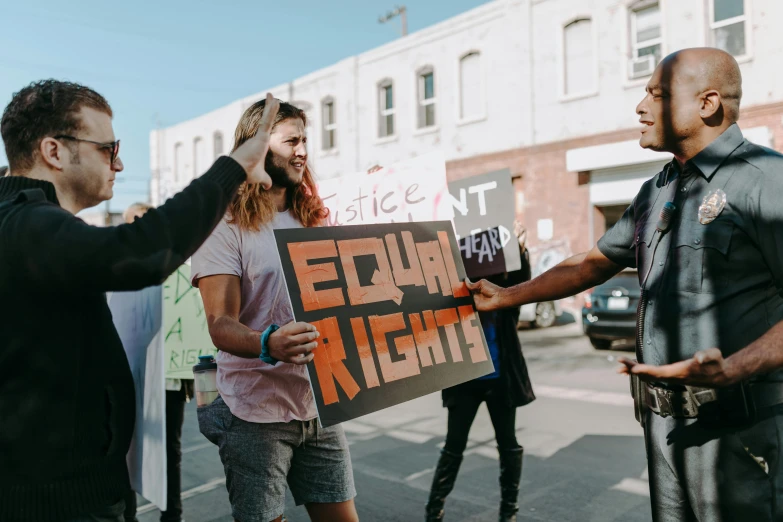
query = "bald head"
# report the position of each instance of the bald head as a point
(692, 97)
(707, 69)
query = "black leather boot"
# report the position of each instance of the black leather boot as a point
(442, 484)
(510, 474)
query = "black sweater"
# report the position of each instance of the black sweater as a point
(67, 403)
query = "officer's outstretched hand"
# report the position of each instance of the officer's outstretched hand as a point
(252, 153)
(707, 369)
(486, 295)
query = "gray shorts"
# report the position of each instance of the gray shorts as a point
(259, 459)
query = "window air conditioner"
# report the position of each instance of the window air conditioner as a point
(642, 66)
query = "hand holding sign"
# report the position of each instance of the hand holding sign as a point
(252, 154)
(486, 295)
(293, 343)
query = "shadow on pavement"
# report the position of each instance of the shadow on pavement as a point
(575, 484)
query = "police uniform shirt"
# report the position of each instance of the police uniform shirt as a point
(712, 282)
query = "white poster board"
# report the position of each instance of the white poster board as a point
(138, 317)
(412, 190)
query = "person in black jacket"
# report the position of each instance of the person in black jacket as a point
(504, 390)
(66, 392)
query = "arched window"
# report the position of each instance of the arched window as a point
(727, 22)
(425, 88)
(328, 124)
(386, 109)
(646, 38)
(217, 144)
(198, 157)
(471, 99)
(177, 162)
(578, 57)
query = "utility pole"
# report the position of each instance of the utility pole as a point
(400, 11)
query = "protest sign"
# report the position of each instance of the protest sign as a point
(138, 319)
(184, 325)
(411, 190)
(482, 254)
(396, 320)
(484, 202)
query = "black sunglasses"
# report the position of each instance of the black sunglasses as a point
(112, 146)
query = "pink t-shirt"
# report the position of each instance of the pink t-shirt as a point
(253, 390)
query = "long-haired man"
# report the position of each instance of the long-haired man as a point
(264, 421)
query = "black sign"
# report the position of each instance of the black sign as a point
(395, 318)
(482, 254)
(484, 202)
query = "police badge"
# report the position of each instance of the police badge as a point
(711, 206)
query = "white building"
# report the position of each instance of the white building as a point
(547, 88)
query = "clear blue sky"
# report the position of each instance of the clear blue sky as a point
(176, 59)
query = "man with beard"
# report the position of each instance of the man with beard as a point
(264, 421)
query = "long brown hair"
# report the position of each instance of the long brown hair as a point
(253, 206)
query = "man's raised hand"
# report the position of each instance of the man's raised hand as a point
(252, 154)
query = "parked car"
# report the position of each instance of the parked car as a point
(609, 311)
(541, 315)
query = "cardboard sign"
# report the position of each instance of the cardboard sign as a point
(484, 202)
(482, 254)
(412, 190)
(395, 318)
(184, 325)
(137, 317)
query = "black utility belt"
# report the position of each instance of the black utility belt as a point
(731, 405)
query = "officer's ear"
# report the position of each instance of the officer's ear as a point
(711, 107)
(53, 153)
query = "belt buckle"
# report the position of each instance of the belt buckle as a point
(701, 396)
(664, 399)
(660, 402)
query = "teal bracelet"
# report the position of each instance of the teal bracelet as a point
(265, 346)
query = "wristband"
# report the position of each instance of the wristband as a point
(264, 356)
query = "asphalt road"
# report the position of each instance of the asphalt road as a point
(584, 452)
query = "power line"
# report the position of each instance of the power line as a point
(400, 11)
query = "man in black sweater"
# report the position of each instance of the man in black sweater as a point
(66, 392)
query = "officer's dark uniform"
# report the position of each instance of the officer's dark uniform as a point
(718, 284)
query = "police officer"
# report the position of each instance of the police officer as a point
(706, 235)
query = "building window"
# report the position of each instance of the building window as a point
(386, 109)
(177, 162)
(471, 100)
(727, 22)
(198, 157)
(646, 38)
(426, 97)
(329, 125)
(217, 144)
(579, 57)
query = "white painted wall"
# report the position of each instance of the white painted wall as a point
(612, 105)
(520, 42)
(497, 30)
